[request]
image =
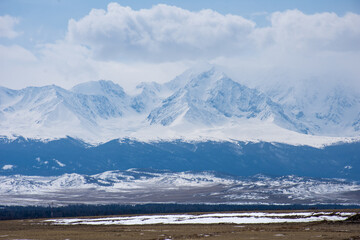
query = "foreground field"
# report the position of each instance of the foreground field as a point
(44, 229)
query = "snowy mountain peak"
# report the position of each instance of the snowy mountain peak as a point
(150, 96)
(209, 98)
(202, 73)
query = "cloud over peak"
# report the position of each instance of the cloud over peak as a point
(321, 31)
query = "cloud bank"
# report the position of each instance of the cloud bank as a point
(165, 33)
(160, 33)
(129, 46)
(293, 29)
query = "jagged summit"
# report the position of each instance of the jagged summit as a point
(201, 103)
(197, 72)
(208, 98)
(212, 98)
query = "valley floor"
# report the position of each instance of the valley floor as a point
(40, 229)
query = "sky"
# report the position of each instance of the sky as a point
(66, 42)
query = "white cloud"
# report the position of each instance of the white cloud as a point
(7, 24)
(166, 33)
(66, 65)
(294, 30)
(161, 33)
(50, 64)
(16, 54)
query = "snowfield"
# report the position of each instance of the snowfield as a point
(214, 218)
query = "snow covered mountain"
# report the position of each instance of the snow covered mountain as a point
(33, 111)
(325, 110)
(199, 104)
(211, 98)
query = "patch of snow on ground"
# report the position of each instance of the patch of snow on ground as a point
(215, 218)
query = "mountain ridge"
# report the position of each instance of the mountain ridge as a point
(55, 157)
(182, 187)
(198, 104)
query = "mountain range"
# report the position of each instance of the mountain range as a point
(199, 138)
(200, 104)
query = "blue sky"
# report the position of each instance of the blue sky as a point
(40, 44)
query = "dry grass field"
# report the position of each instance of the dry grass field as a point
(38, 229)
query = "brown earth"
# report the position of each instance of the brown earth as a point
(37, 229)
